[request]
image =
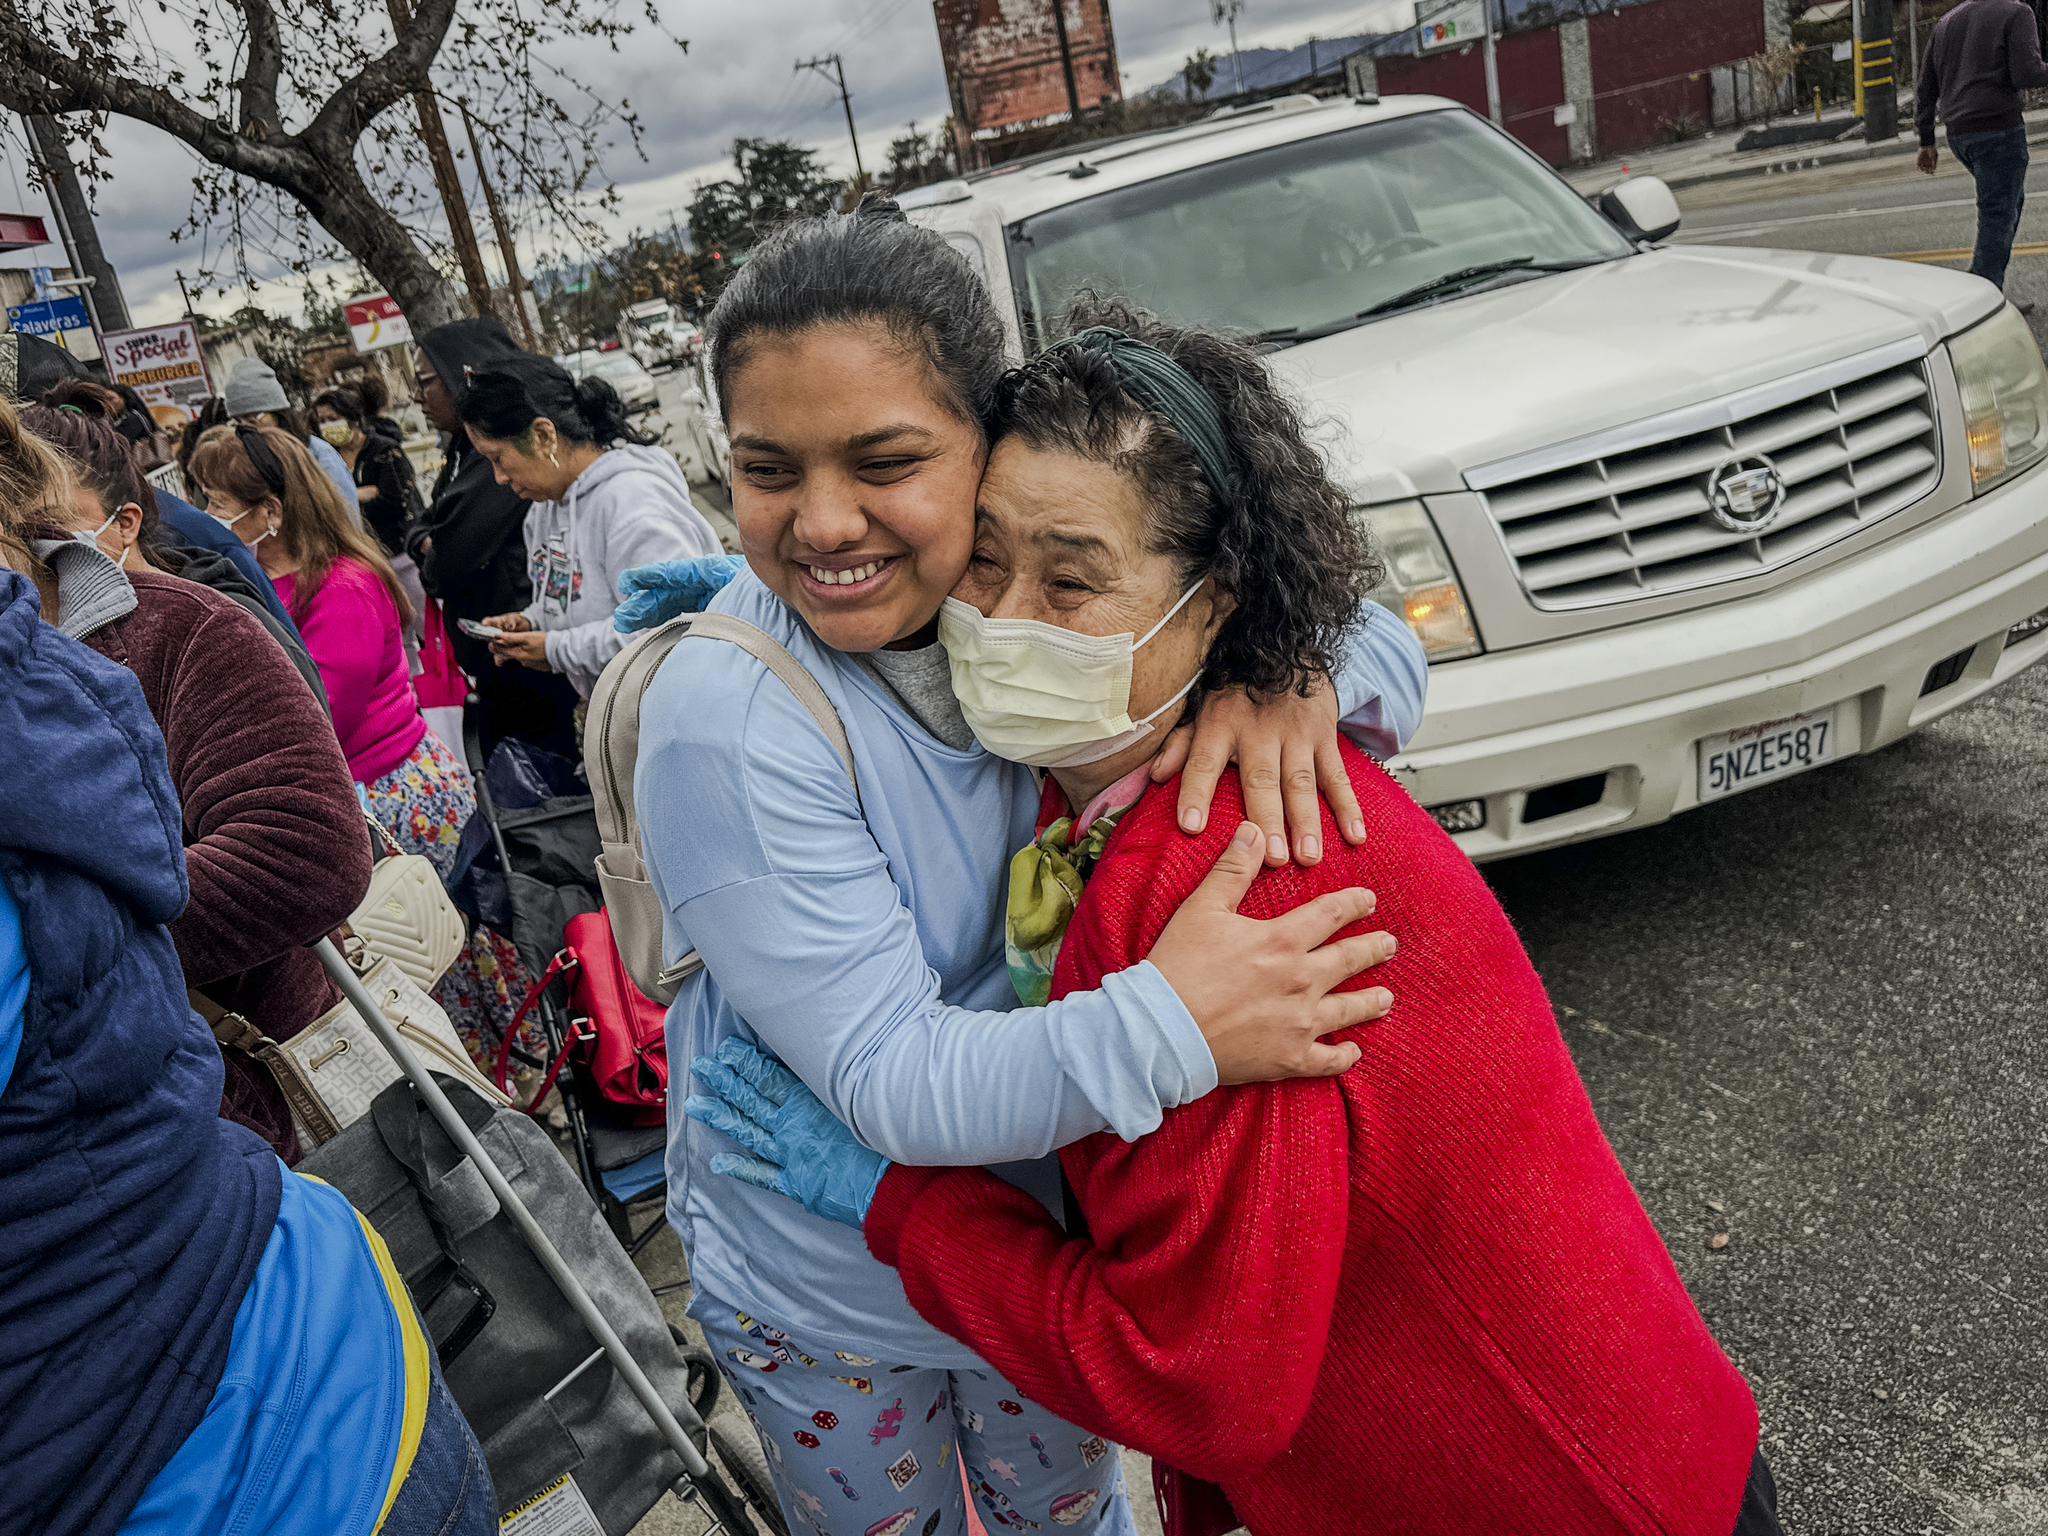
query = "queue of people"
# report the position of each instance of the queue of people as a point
(1094, 1047)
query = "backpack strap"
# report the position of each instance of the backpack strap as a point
(611, 746)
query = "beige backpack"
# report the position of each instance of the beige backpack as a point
(611, 745)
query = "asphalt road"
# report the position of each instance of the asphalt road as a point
(1812, 1017)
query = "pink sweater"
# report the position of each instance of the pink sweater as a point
(351, 631)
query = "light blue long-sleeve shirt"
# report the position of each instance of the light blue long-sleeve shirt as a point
(862, 942)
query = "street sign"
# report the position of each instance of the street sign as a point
(40, 278)
(48, 317)
(165, 366)
(1449, 24)
(374, 321)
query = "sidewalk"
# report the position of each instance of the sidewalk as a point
(1715, 158)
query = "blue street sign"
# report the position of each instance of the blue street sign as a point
(40, 277)
(48, 317)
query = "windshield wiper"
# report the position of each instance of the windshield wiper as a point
(1450, 282)
(1465, 275)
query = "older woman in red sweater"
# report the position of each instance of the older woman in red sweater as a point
(1420, 1297)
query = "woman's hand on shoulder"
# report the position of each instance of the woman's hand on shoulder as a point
(1287, 758)
(1262, 992)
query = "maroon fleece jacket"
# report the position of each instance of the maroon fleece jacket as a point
(275, 842)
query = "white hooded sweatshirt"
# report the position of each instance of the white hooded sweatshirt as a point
(629, 508)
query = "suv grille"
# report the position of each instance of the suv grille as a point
(1637, 523)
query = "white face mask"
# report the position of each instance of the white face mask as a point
(1035, 693)
(92, 540)
(229, 524)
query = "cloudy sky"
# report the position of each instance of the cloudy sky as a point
(737, 79)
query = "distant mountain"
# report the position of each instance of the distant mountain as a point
(1267, 66)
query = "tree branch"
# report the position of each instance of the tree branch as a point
(261, 119)
(35, 77)
(384, 81)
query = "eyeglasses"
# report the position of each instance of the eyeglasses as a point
(263, 456)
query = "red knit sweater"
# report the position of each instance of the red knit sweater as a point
(1418, 1298)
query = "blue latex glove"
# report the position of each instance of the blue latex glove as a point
(799, 1147)
(654, 594)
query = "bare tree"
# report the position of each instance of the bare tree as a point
(1768, 72)
(299, 105)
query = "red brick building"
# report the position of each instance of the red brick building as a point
(1005, 67)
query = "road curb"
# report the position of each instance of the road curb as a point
(2037, 133)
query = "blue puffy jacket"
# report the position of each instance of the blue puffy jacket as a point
(131, 1216)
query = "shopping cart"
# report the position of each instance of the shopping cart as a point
(457, 1206)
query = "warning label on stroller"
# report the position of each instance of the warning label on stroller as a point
(556, 1510)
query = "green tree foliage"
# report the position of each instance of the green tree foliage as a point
(1199, 70)
(774, 181)
(919, 159)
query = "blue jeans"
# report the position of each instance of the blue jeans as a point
(447, 1490)
(1997, 162)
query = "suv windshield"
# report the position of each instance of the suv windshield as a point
(1310, 236)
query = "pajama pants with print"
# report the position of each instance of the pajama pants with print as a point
(863, 1447)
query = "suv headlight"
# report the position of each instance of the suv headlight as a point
(1420, 584)
(2005, 395)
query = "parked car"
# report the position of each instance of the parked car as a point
(1671, 523)
(620, 369)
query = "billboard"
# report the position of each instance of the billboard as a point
(164, 365)
(1449, 24)
(1006, 67)
(374, 321)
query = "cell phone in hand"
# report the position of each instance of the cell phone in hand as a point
(477, 631)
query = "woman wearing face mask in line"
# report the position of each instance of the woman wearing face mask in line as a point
(861, 936)
(604, 498)
(275, 854)
(349, 606)
(137, 536)
(253, 397)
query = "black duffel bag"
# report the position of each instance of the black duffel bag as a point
(534, 1384)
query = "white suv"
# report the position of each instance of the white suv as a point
(1671, 522)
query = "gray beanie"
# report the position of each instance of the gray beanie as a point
(253, 387)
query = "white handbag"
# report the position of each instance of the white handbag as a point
(347, 1066)
(406, 916)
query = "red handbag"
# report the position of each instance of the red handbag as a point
(615, 1030)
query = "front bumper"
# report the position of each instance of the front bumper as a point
(1630, 703)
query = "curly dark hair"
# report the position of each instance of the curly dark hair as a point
(869, 265)
(1286, 547)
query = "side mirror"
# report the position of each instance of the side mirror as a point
(1642, 208)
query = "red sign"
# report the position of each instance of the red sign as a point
(374, 321)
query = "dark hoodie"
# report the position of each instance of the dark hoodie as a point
(471, 553)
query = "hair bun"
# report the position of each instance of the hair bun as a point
(880, 208)
(80, 395)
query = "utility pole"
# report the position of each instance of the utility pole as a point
(187, 297)
(101, 289)
(515, 283)
(1059, 23)
(1876, 77)
(460, 230)
(1492, 68)
(860, 176)
(1226, 11)
(1311, 59)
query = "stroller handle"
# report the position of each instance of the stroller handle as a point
(536, 1239)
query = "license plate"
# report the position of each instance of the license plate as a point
(1756, 754)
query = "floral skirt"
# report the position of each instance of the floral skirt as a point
(424, 803)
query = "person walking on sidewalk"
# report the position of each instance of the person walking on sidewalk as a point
(1980, 57)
